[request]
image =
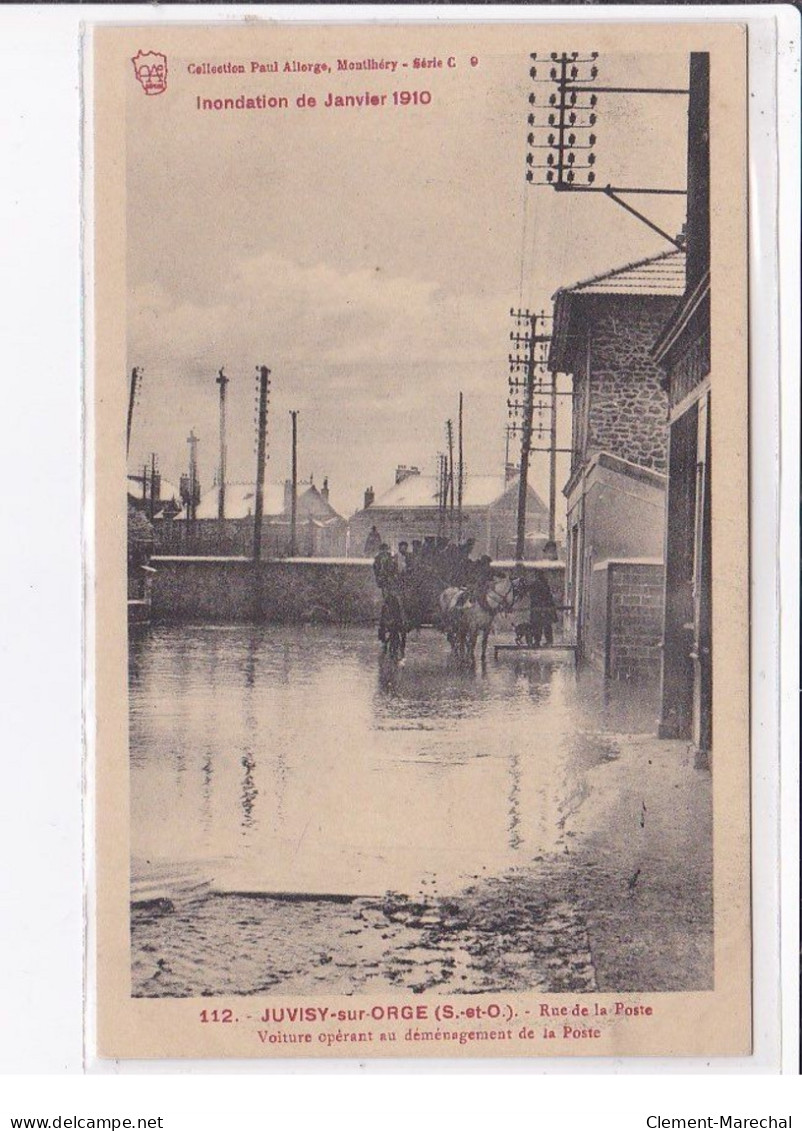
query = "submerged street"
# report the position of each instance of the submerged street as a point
(306, 815)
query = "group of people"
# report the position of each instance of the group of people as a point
(433, 564)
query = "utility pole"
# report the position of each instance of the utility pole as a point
(442, 493)
(460, 474)
(136, 379)
(261, 455)
(192, 502)
(540, 380)
(553, 461)
(152, 507)
(294, 500)
(222, 381)
(450, 478)
(563, 119)
(526, 444)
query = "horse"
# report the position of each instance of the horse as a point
(466, 618)
(393, 627)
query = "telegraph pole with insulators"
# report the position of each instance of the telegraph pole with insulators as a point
(450, 476)
(192, 500)
(460, 473)
(294, 497)
(153, 485)
(526, 408)
(263, 385)
(133, 393)
(222, 381)
(442, 486)
(529, 415)
(564, 110)
(553, 461)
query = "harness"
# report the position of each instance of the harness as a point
(492, 601)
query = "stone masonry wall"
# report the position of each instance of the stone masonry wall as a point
(297, 591)
(226, 590)
(628, 412)
(634, 621)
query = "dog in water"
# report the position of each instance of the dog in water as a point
(525, 634)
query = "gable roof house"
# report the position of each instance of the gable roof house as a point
(410, 511)
(153, 495)
(604, 332)
(320, 529)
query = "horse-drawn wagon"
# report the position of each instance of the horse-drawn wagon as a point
(442, 588)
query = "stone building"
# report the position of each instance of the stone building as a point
(605, 329)
(410, 511)
(683, 349)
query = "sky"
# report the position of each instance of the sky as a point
(369, 257)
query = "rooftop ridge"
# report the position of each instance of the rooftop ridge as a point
(606, 275)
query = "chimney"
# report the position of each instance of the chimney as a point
(369, 497)
(287, 496)
(510, 473)
(403, 472)
(324, 491)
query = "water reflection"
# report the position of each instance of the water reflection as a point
(273, 758)
(515, 802)
(249, 790)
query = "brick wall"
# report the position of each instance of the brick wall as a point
(628, 409)
(625, 626)
(635, 621)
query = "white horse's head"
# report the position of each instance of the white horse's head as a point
(449, 599)
(501, 595)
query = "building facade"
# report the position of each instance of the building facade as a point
(605, 329)
(683, 349)
(410, 511)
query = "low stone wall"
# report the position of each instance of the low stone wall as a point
(624, 632)
(301, 590)
(282, 591)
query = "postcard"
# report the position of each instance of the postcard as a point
(419, 409)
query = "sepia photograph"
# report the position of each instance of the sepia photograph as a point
(421, 352)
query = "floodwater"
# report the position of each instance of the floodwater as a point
(299, 761)
(307, 816)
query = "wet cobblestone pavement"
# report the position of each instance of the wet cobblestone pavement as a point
(496, 936)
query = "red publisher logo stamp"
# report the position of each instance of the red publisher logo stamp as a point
(150, 68)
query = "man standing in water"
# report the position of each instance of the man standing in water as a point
(542, 612)
(386, 572)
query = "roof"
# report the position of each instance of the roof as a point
(311, 502)
(422, 491)
(658, 275)
(167, 490)
(241, 500)
(694, 305)
(626, 467)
